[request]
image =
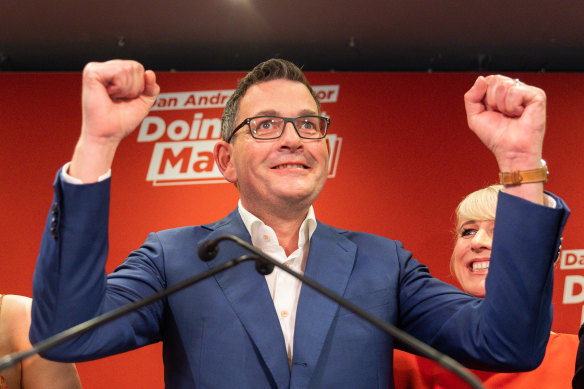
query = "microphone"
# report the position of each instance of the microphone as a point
(401, 336)
(209, 249)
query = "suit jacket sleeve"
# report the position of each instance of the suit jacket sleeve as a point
(69, 285)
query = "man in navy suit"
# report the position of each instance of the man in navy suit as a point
(241, 329)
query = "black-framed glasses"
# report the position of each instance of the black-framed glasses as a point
(272, 127)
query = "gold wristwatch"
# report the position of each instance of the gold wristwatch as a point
(518, 177)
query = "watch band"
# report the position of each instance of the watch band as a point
(518, 177)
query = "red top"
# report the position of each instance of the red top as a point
(556, 371)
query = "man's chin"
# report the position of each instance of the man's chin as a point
(297, 191)
(297, 195)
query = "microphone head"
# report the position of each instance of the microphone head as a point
(263, 267)
(208, 250)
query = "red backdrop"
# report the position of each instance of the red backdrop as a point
(403, 160)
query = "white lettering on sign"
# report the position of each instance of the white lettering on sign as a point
(572, 259)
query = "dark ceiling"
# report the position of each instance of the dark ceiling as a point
(414, 35)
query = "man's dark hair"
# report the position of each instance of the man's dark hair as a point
(272, 69)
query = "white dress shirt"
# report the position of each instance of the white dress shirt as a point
(284, 288)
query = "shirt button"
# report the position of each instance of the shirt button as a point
(267, 237)
(284, 313)
(287, 264)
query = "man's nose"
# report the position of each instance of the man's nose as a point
(290, 137)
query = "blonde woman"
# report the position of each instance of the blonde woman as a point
(470, 261)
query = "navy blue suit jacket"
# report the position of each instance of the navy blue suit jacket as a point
(224, 332)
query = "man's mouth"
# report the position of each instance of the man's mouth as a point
(290, 166)
(479, 266)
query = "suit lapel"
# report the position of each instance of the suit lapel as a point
(248, 293)
(330, 263)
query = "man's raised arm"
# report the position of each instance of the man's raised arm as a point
(116, 97)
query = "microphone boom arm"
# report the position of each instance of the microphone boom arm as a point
(418, 346)
(12, 359)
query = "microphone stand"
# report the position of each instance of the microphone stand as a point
(12, 359)
(209, 249)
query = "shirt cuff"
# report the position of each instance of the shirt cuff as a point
(76, 181)
(549, 201)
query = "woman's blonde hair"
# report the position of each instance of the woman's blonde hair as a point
(479, 205)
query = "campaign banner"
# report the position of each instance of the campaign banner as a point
(401, 159)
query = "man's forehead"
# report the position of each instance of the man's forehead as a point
(274, 94)
(276, 84)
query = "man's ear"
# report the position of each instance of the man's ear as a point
(223, 153)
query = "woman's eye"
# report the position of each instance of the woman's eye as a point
(468, 232)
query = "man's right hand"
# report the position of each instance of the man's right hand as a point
(116, 97)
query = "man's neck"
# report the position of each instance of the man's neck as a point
(286, 224)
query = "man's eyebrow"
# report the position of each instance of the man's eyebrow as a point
(308, 112)
(270, 112)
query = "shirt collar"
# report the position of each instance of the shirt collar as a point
(253, 225)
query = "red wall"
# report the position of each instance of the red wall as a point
(407, 159)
